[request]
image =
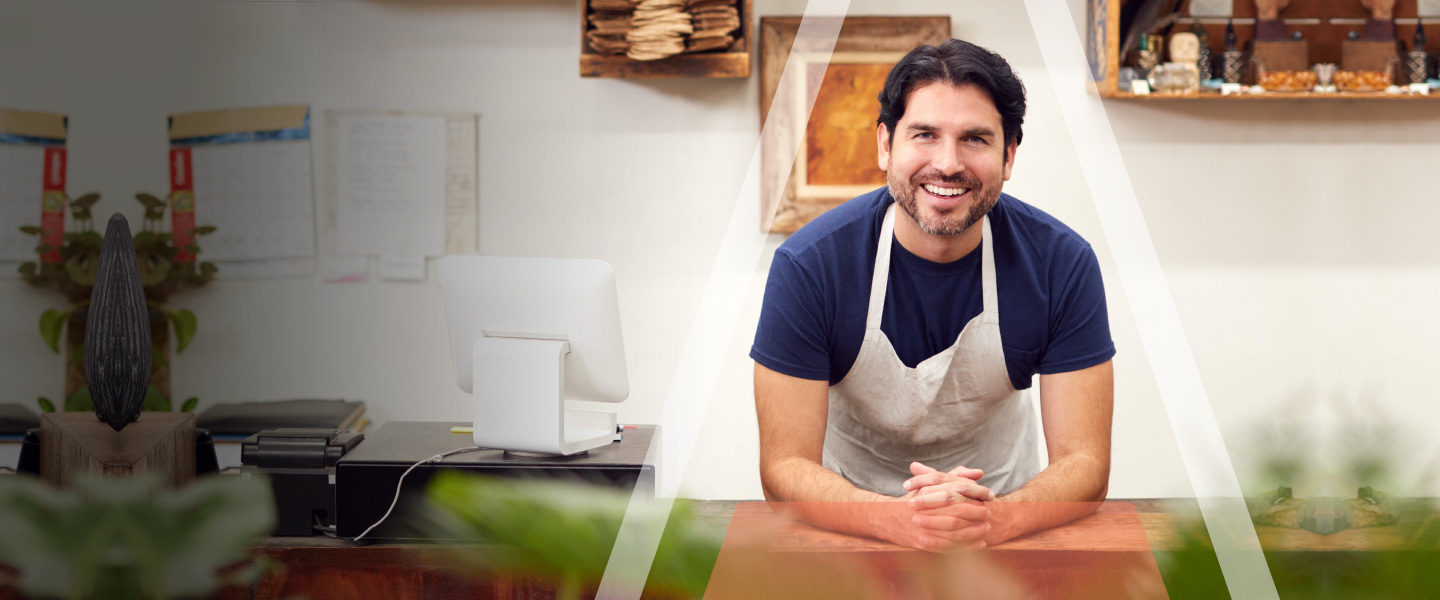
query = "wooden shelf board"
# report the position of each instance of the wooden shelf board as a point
(1270, 96)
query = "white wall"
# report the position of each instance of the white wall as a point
(1293, 235)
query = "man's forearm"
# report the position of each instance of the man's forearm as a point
(1070, 488)
(826, 499)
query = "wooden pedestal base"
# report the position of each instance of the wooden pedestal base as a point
(158, 443)
(1367, 55)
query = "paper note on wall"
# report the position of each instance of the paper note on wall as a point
(21, 174)
(390, 196)
(462, 211)
(247, 172)
(259, 195)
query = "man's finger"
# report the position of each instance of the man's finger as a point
(967, 472)
(962, 536)
(970, 511)
(928, 479)
(964, 487)
(939, 498)
(917, 468)
(943, 522)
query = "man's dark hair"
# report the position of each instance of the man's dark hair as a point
(958, 63)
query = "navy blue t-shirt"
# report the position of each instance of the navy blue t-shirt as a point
(1052, 302)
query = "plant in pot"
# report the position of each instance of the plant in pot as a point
(73, 276)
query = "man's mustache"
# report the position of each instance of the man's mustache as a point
(962, 179)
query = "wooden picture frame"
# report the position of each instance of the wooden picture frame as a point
(836, 159)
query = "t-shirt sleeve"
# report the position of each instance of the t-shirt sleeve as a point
(1080, 323)
(793, 335)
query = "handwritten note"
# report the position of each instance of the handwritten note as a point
(391, 185)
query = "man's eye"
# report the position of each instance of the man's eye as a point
(924, 135)
(976, 139)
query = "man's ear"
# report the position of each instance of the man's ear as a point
(882, 145)
(1010, 158)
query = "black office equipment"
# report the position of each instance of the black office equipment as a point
(301, 466)
(15, 420)
(366, 478)
(240, 420)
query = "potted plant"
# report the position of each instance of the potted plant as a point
(73, 276)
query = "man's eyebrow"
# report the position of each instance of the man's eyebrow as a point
(981, 131)
(918, 126)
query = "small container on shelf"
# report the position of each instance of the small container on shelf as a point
(1284, 81)
(1175, 78)
(1366, 81)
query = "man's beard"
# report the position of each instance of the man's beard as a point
(948, 223)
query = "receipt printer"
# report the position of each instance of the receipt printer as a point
(300, 464)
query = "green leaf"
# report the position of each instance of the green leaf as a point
(132, 537)
(31, 230)
(86, 201)
(81, 401)
(150, 202)
(155, 401)
(189, 405)
(51, 323)
(45, 404)
(205, 230)
(185, 324)
(27, 270)
(82, 267)
(154, 268)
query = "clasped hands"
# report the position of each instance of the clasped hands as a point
(946, 510)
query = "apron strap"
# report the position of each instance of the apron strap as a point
(987, 270)
(882, 270)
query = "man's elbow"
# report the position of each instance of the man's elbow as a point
(1100, 478)
(768, 481)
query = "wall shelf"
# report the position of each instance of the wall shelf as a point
(1323, 22)
(733, 63)
(1212, 96)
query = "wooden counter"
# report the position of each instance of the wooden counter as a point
(1110, 552)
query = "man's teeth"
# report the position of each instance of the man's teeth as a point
(939, 191)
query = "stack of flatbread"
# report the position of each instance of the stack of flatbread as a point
(658, 29)
(610, 21)
(714, 22)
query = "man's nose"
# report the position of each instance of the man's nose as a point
(947, 160)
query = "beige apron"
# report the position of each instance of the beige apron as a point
(955, 408)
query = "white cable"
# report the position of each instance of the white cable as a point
(396, 499)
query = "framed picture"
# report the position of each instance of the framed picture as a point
(836, 159)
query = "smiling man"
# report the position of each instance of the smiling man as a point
(899, 329)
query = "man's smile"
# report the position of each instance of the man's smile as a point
(945, 197)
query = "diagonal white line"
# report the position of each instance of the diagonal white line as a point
(720, 307)
(1198, 434)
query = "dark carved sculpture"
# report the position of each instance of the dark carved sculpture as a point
(117, 333)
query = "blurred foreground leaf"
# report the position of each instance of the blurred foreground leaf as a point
(566, 530)
(131, 537)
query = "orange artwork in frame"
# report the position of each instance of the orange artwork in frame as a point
(809, 165)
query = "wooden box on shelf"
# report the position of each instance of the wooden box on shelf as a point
(733, 63)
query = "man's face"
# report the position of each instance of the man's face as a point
(948, 160)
